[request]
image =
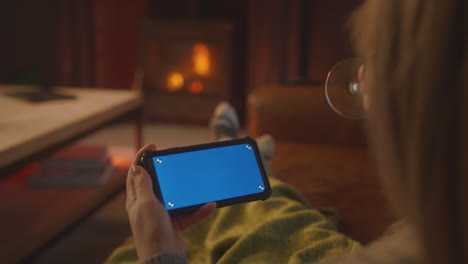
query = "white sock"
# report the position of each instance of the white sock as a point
(224, 123)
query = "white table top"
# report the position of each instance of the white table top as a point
(27, 128)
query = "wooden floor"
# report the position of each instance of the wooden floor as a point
(94, 239)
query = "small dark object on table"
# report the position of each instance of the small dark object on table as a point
(44, 94)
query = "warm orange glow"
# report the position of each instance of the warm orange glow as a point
(175, 81)
(121, 162)
(201, 59)
(196, 87)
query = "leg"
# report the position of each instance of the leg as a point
(224, 125)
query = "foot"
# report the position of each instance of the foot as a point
(224, 123)
(266, 145)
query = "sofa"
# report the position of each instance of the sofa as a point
(323, 155)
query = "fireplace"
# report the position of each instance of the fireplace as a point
(187, 68)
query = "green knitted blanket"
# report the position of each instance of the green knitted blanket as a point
(282, 229)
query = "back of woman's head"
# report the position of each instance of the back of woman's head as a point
(417, 77)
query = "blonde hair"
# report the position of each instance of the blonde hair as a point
(417, 72)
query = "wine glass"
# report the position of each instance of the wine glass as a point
(344, 88)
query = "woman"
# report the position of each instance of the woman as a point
(417, 60)
(418, 116)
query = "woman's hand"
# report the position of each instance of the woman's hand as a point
(154, 232)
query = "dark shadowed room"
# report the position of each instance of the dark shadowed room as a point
(84, 84)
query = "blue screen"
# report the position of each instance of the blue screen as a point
(204, 176)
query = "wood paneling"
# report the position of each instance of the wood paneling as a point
(28, 40)
(329, 36)
(116, 28)
(275, 40)
(75, 40)
(264, 42)
(86, 42)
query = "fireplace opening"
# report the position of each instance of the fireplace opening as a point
(187, 68)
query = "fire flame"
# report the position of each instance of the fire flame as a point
(175, 81)
(196, 87)
(201, 59)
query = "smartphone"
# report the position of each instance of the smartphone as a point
(225, 172)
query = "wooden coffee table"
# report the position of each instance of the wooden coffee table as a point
(34, 218)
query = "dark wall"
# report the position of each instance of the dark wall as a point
(329, 36)
(94, 42)
(28, 40)
(288, 35)
(116, 25)
(70, 42)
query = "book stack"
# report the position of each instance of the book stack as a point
(77, 165)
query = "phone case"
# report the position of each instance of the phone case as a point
(146, 161)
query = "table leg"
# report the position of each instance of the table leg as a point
(138, 121)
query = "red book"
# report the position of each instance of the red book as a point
(91, 157)
(70, 177)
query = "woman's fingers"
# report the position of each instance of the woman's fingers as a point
(131, 190)
(131, 193)
(143, 183)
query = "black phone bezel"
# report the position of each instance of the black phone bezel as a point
(146, 162)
